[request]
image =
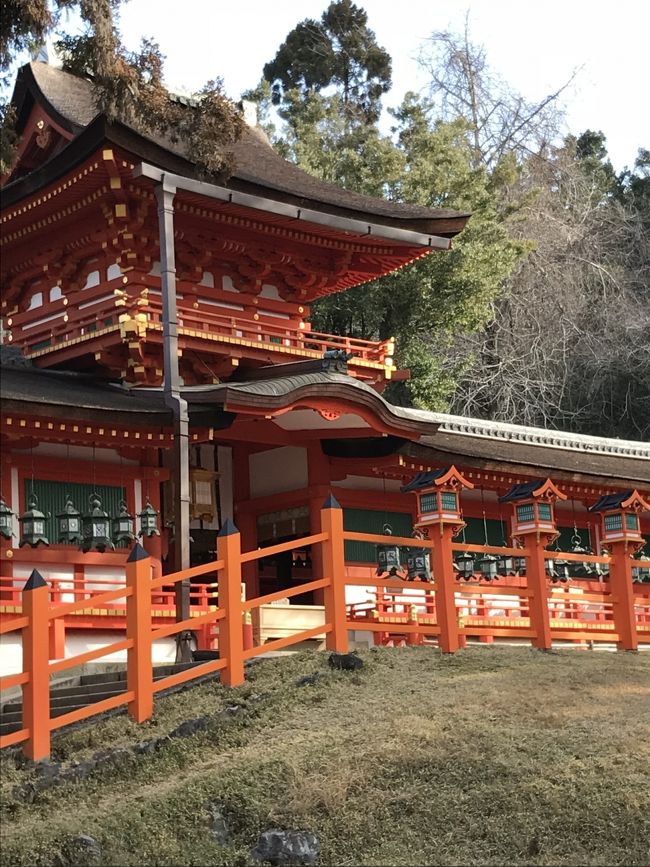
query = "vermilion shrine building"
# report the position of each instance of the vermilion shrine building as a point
(98, 222)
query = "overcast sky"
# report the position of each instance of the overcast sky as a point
(534, 46)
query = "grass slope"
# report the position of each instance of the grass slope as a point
(493, 756)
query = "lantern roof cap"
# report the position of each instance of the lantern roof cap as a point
(68, 508)
(435, 479)
(621, 500)
(537, 488)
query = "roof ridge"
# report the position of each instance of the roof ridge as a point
(468, 426)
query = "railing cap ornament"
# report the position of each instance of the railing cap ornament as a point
(137, 553)
(35, 581)
(228, 528)
(331, 503)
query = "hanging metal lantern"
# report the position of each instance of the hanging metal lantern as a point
(123, 526)
(506, 565)
(519, 565)
(549, 568)
(641, 572)
(96, 528)
(6, 520)
(465, 564)
(579, 569)
(148, 521)
(418, 563)
(487, 566)
(68, 524)
(388, 556)
(32, 524)
(561, 568)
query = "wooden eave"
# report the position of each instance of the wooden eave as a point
(258, 170)
(520, 462)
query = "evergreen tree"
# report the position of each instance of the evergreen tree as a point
(340, 52)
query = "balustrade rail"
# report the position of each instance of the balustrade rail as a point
(107, 306)
(444, 611)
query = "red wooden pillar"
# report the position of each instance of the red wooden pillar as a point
(538, 588)
(139, 666)
(621, 515)
(231, 634)
(533, 521)
(622, 590)
(443, 572)
(334, 568)
(36, 692)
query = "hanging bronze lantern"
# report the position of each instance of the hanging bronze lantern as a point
(519, 565)
(68, 524)
(148, 521)
(123, 527)
(388, 556)
(561, 569)
(32, 524)
(6, 520)
(96, 528)
(418, 563)
(641, 572)
(506, 565)
(487, 566)
(578, 569)
(465, 564)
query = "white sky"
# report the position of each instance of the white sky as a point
(534, 46)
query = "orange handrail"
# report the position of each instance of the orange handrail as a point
(445, 610)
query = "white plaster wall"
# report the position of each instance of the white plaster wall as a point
(50, 572)
(101, 456)
(278, 470)
(11, 653)
(77, 642)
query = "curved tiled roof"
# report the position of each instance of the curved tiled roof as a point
(70, 101)
(443, 439)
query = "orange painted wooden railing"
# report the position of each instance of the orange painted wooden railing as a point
(449, 614)
(99, 308)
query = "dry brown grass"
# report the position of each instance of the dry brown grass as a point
(494, 756)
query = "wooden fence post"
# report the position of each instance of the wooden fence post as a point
(139, 668)
(331, 521)
(231, 637)
(36, 664)
(442, 563)
(622, 590)
(537, 584)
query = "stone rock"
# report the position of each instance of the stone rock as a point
(345, 661)
(190, 727)
(82, 849)
(144, 748)
(286, 848)
(308, 679)
(218, 825)
(47, 770)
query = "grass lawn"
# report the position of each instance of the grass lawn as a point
(492, 756)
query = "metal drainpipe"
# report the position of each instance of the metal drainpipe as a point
(172, 394)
